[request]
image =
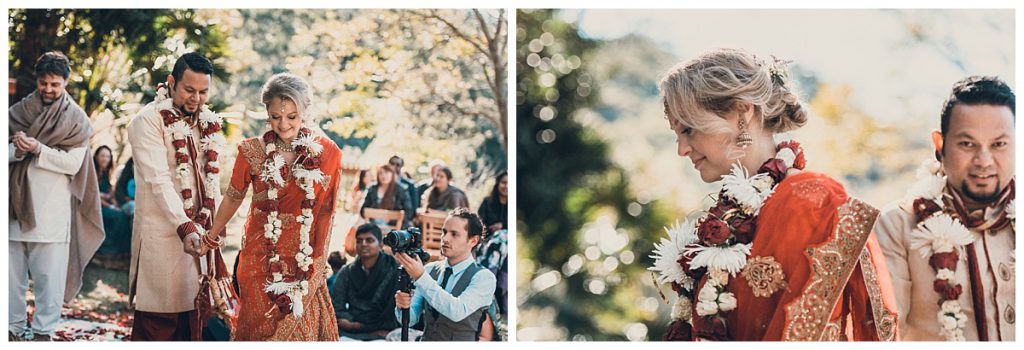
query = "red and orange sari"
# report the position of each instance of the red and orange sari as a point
(259, 318)
(834, 283)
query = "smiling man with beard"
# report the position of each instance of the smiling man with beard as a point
(55, 224)
(949, 245)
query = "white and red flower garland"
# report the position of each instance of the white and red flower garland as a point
(210, 143)
(718, 244)
(940, 238)
(287, 291)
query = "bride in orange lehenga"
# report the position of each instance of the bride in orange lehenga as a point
(282, 270)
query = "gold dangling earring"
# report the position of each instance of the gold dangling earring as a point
(743, 140)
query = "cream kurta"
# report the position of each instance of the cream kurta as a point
(912, 279)
(163, 277)
(49, 176)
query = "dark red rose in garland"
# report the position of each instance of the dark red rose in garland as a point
(775, 168)
(678, 330)
(743, 228)
(283, 302)
(684, 261)
(945, 260)
(946, 290)
(311, 163)
(712, 328)
(713, 231)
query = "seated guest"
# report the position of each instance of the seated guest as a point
(363, 293)
(124, 189)
(359, 189)
(336, 260)
(103, 160)
(114, 252)
(405, 182)
(494, 209)
(424, 185)
(443, 195)
(387, 195)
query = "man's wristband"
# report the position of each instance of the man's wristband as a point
(186, 229)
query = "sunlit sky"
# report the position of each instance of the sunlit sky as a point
(872, 51)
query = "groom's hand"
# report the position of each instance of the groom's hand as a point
(192, 244)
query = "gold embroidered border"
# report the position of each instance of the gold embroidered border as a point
(236, 194)
(885, 321)
(833, 332)
(832, 263)
(254, 153)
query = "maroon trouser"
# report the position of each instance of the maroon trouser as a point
(161, 326)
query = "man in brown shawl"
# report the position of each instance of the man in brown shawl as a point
(55, 223)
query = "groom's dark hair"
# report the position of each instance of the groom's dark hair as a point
(193, 61)
(977, 90)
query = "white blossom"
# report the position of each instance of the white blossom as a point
(667, 253)
(787, 156)
(707, 308)
(726, 302)
(939, 234)
(731, 259)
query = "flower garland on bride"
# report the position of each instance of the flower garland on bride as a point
(719, 243)
(287, 291)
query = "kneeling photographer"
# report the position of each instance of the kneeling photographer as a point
(452, 295)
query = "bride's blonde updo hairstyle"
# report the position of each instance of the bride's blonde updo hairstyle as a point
(719, 79)
(287, 86)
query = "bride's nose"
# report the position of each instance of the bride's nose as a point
(683, 147)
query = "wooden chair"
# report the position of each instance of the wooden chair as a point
(431, 223)
(387, 216)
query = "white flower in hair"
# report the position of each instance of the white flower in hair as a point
(939, 234)
(667, 253)
(732, 259)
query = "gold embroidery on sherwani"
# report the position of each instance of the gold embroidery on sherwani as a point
(764, 275)
(832, 263)
(885, 321)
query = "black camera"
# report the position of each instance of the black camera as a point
(407, 241)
